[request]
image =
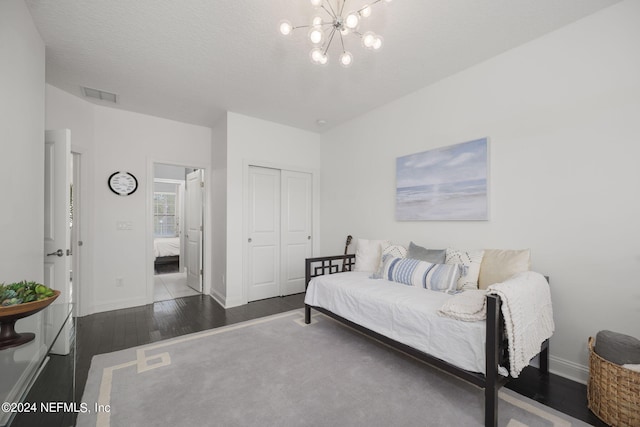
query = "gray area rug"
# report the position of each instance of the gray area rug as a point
(277, 371)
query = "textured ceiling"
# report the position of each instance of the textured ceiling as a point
(190, 60)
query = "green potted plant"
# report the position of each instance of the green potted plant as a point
(18, 300)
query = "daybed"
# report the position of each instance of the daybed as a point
(406, 318)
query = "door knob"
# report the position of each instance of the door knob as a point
(58, 253)
(249, 240)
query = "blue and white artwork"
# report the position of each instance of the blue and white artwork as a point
(448, 183)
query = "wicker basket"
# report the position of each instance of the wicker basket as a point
(613, 392)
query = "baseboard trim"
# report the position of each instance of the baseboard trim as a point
(120, 304)
(568, 369)
(230, 303)
(218, 297)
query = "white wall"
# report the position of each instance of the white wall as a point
(170, 172)
(22, 140)
(132, 142)
(218, 184)
(563, 117)
(111, 140)
(253, 141)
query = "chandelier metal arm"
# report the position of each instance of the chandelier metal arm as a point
(366, 6)
(332, 12)
(333, 33)
(310, 25)
(344, 3)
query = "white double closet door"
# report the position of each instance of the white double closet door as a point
(279, 231)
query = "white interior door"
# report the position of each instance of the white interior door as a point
(194, 230)
(57, 233)
(263, 233)
(182, 231)
(296, 191)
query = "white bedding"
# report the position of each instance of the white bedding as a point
(166, 246)
(409, 316)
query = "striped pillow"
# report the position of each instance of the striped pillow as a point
(413, 272)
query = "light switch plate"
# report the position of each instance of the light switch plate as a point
(124, 225)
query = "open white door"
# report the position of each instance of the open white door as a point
(181, 230)
(193, 226)
(57, 234)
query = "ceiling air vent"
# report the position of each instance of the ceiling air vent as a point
(99, 94)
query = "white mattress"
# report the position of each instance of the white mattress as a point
(404, 313)
(166, 246)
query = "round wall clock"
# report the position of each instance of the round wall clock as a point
(123, 183)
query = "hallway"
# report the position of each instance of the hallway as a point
(171, 286)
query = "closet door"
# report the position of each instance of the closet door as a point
(263, 233)
(295, 230)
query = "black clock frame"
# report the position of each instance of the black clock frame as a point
(128, 173)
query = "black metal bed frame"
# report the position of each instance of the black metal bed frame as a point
(496, 350)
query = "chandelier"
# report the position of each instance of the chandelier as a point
(338, 23)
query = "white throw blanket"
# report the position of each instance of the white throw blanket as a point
(528, 316)
(469, 306)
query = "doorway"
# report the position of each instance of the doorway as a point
(279, 231)
(177, 203)
(58, 208)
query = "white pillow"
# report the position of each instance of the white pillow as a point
(397, 251)
(368, 254)
(470, 261)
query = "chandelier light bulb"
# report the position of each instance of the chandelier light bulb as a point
(316, 35)
(368, 39)
(316, 3)
(346, 59)
(388, 1)
(377, 43)
(285, 28)
(317, 21)
(365, 12)
(351, 21)
(318, 56)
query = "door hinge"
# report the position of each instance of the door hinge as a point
(201, 272)
(201, 184)
(201, 229)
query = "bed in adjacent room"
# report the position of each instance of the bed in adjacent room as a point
(166, 251)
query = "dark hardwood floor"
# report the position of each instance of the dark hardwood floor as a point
(120, 329)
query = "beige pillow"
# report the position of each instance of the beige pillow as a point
(500, 264)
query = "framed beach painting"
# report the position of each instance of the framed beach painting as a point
(448, 183)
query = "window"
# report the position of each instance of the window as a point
(164, 215)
